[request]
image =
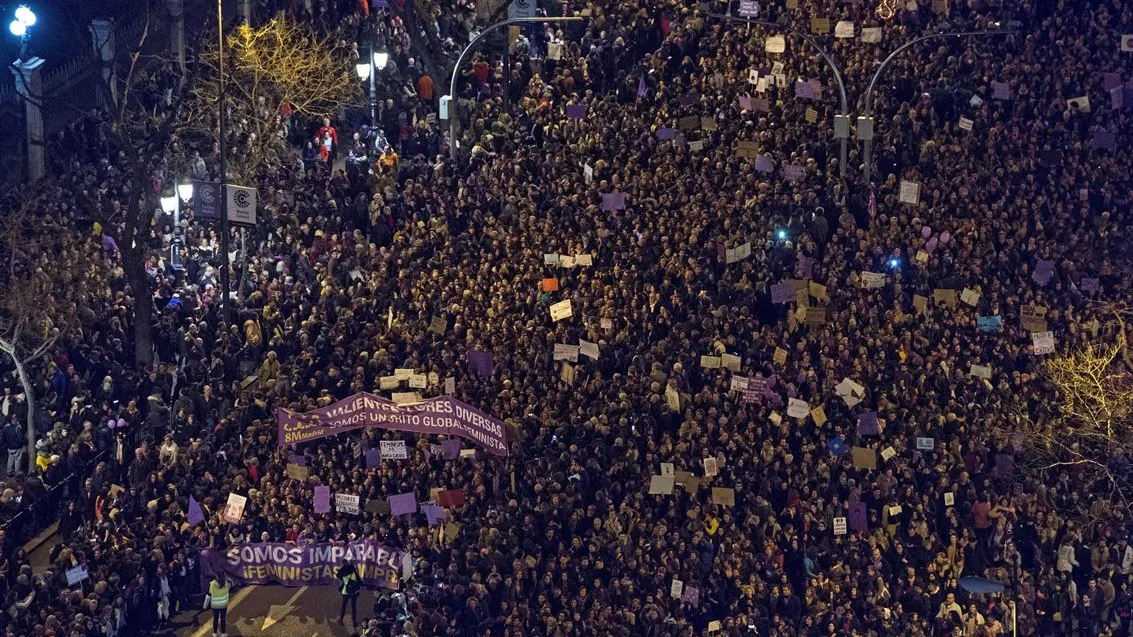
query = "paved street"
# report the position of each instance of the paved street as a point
(286, 612)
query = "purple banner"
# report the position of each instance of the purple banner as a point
(442, 416)
(306, 565)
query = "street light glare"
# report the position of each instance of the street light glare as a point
(18, 28)
(381, 59)
(26, 16)
(185, 191)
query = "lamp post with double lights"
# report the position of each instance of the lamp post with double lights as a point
(367, 68)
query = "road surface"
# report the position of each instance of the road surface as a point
(275, 611)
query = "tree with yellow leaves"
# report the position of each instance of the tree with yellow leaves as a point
(50, 282)
(272, 73)
(1091, 428)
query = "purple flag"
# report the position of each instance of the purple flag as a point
(1104, 140)
(481, 362)
(1111, 80)
(782, 293)
(793, 172)
(434, 513)
(867, 424)
(1000, 90)
(451, 449)
(857, 517)
(576, 111)
(1090, 285)
(196, 516)
(614, 201)
(322, 499)
(764, 164)
(641, 90)
(373, 458)
(1044, 270)
(403, 504)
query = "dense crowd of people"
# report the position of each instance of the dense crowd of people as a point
(347, 273)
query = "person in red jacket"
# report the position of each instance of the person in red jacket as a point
(326, 130)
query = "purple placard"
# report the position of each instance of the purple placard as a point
(322, 499)
(761, 104)
(745, 102)
(403, 504)
(1104, 140)
(1117, 98)
(856, 517)
(1000, 91)
(764, 164)
(373, 458)
(782, 293)
(1111, 80)
(297, 458)
(753, 393)
(807, 89)
(613, 201)
(868, 425)
(793, 172)
(451, 448)
(576, 111)
(481, 362)
(691, 596)
(303, 565)
(1090, 284)
(1044, 270)
(444, 415)
(667, 133)
(748, 9)
(435, 514)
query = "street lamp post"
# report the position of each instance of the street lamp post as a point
(841, 122)
(225, 300)
(460, 60)
(866, 123)
(367, 68)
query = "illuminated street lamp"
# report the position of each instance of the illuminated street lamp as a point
(24, 19)
(185, 190)
(362, 66)
(168, 202)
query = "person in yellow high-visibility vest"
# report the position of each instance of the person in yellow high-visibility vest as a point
(350, 585)
(217, 599)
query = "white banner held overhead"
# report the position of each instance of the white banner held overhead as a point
(241, 205)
